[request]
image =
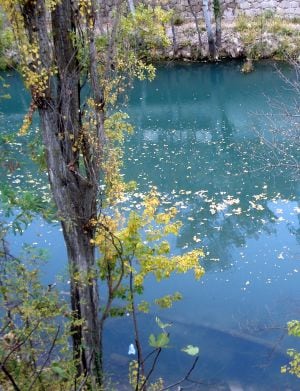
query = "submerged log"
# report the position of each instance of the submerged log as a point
(237, 334)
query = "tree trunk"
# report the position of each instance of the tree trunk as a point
(218, 20)
(210, 35)
(85, 303)
(73, 184)
(131, 7)
(76, 204)
(196, 24)
(174, 41)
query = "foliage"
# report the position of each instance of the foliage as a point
(293, 366)
(177, 19)
(21, 207)
(116, 127)
(294, 328)
(216, 8)
(145, 29)
(137, 246)
(33, 336)
(257, 32)
(139, 380)
(133, 373)
(159, 341)
(131, 247)
(125, 52)
(6, 40)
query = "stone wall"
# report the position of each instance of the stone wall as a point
(284, 8)
(230, 8)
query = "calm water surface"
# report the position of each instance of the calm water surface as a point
(197, 140)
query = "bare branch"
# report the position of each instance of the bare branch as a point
(186, 377)
(11, 379)
(17, 346)
(158, 351)
(46, 360)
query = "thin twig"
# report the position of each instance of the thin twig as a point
(141, 367)
(47, 358)
(82, 384)
(151, 370)
(186, 377)
(17, 346)
(5, 326)
(11, 379)
(149, 355)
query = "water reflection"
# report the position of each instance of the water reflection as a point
(202, 177)
(197, 140)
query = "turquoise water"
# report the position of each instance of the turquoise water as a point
(197, 139)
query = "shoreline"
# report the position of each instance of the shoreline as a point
(245, 38)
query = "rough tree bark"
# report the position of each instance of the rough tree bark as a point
(196, 25)
(218, 20)
(131, 6)
(210, 35)
(73, 182)
(174, 40)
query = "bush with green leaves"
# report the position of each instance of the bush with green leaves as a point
(6, 40)
(35, 325)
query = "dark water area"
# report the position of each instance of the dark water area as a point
(197, 138)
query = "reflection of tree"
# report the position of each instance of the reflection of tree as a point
(195, 134)
(23, 184)
(282, 141)
(224, 230)
(221, 168)
(296, 231)
(220, 160)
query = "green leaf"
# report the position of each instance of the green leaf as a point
(152, 340)
(162, 325)
(59, 371)
(294, 328)
(191, 350)
(161, 341)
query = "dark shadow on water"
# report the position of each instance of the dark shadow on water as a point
(226, 357)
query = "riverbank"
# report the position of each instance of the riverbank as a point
(263, 36)
(257, 37)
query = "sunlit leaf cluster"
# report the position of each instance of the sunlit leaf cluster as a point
(137, 37)
(138, 244)
(293, 367)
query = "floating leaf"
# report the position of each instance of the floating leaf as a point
(191, 350)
